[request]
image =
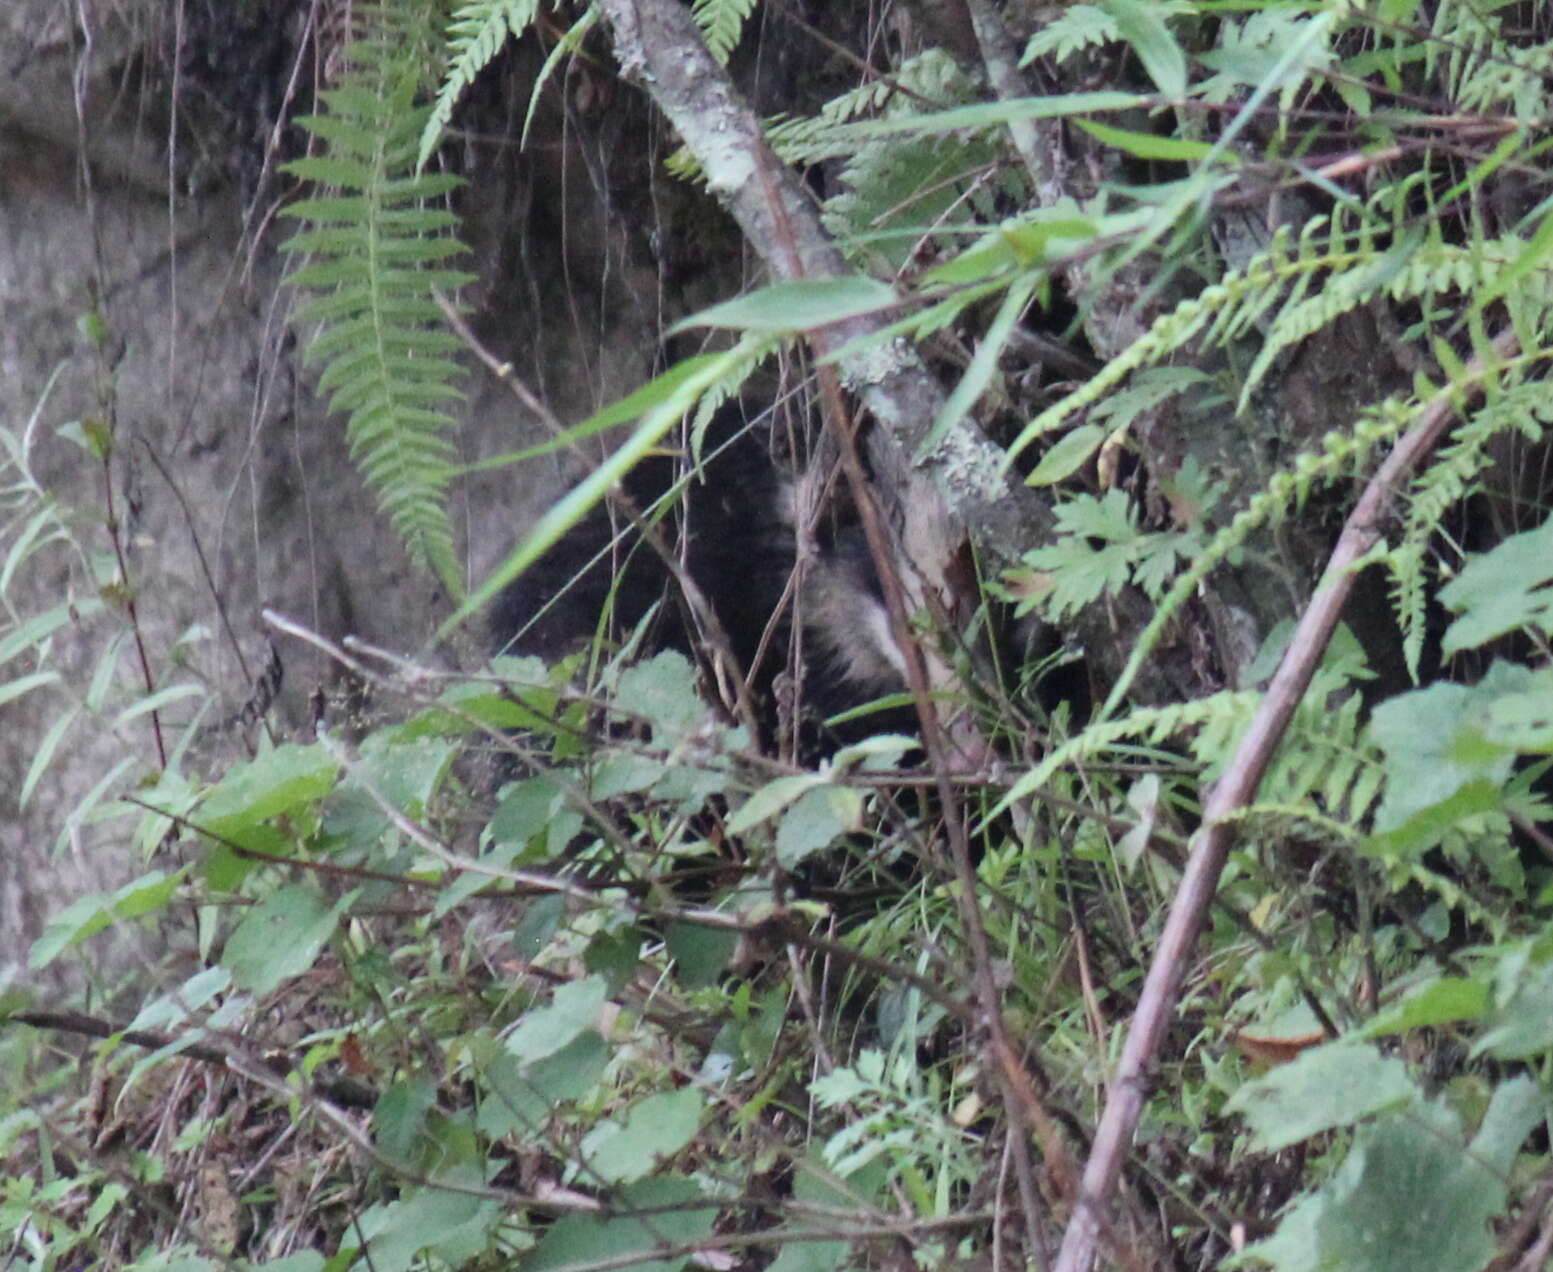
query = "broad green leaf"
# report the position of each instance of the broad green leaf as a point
(670, 1218)
(545, 1030)
(399, 1119)
(1522, 719)
(521, 1098)
(1424, 828)
(654, 1130)
(1502, 591)
(623, 773)
(615, 953)
(798, 306)
(405, 772)
(815, 821)
(525, 810)
(282, 936)
(447, 1222)
(537, 928)
(1435, 742)
(1517, 1106)
(1409, 1197)
(190, 997)
(700, 953)
(176, 1260)
(876, 754)
(1326, 1087)
(1438, 1002)
(1523, 1027)
(662, 690)
(305, 1261)
(278, 781)
(770, 800)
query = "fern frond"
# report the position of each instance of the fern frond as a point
(1516, 80)
(1325, 761)
(722, 23)
(1338, 265)
(475, 35)
(379, 251)
(1525, 408)
(1229, 711)
(931, 76)
(1342, 452)
(1080, 26)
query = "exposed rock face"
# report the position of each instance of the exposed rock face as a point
(223, 458)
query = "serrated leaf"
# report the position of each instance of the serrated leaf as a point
(1523, 1027)
(654, 1129)
(662, 691)
(1326, 1087)
(672, 1218)
(700, 953)
(816, 820)
(1502, 591)
(1409, 1198)
(278, 781)
(282, 936)
(545, 1030)
(523, 1097)
(770, 800)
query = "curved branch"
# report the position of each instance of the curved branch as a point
(1211, 844)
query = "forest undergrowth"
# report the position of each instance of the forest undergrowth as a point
(1197, 919)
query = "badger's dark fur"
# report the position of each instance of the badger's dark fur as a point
(736, 531)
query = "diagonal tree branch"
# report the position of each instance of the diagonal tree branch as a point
(659, 46)
(1211, 844)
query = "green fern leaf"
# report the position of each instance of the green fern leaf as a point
(475, 36)
(378, 253)
(722, 23)
(1079, 27)
(1224, 713)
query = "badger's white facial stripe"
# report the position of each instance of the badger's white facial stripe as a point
(876, 621)
(848, 623)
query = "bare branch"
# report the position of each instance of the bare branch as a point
(1211, 844)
